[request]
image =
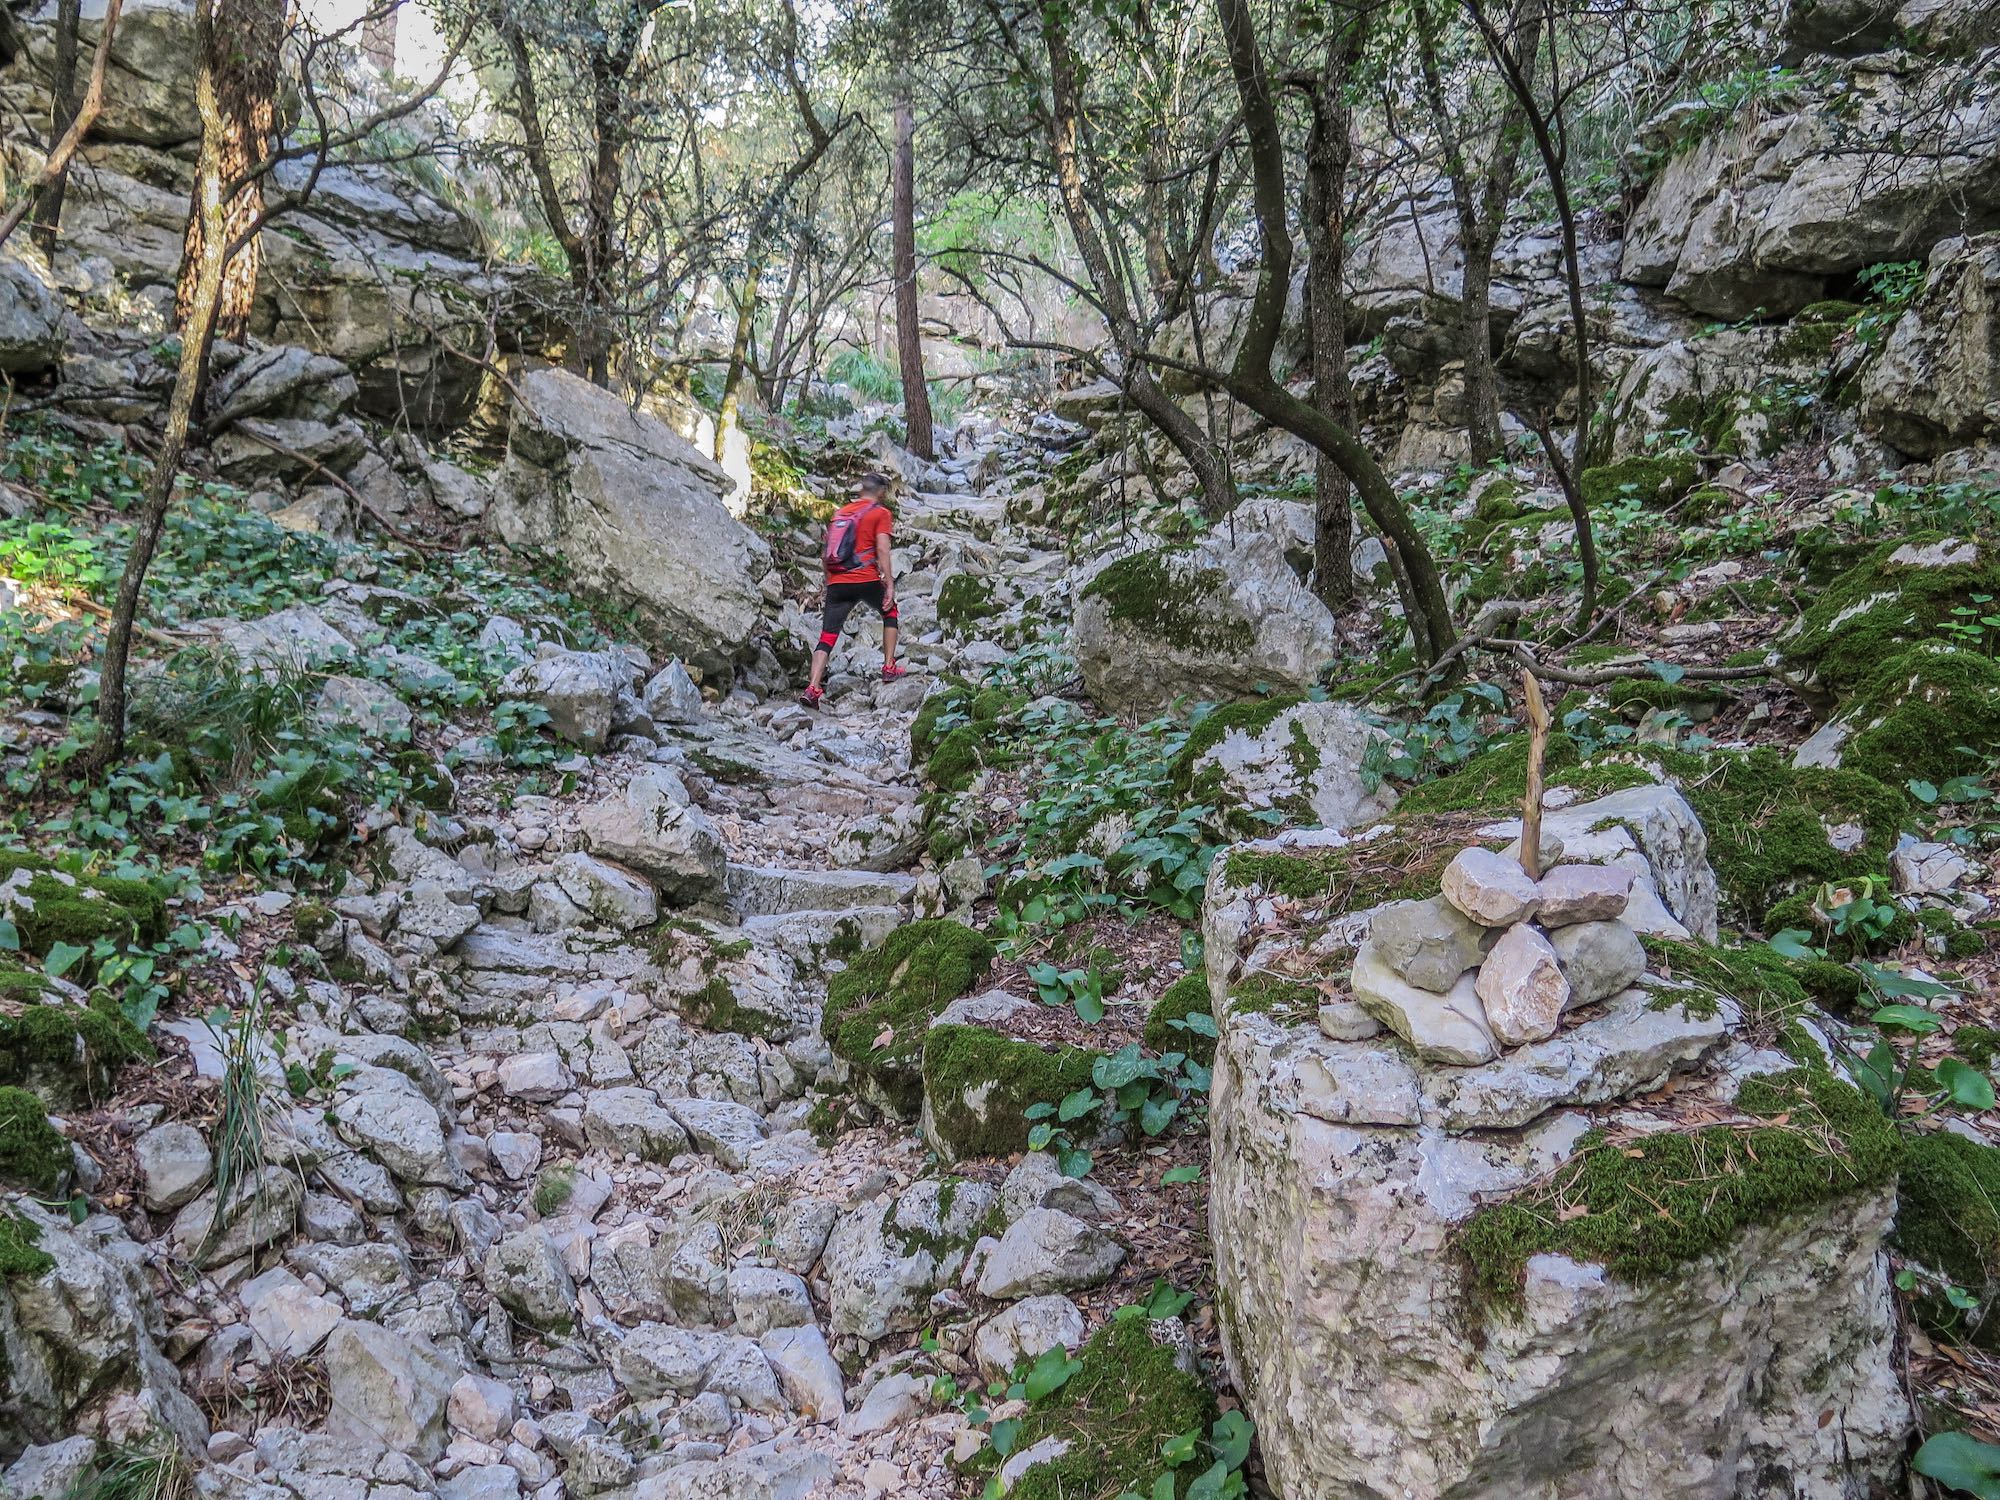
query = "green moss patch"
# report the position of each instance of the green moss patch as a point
(33, 1154)
(879, 1007)
(1496, 779)
(1931, 712)
(1284, 1000)
(979, 1085)
(67, 1054)
(716, 1007)
(1250, 718)
(1948, 1218)
(961, 730)
(49, 906)
(1772, 829)
(1186, 996)
(1171, 599)
(18, 1253)
(965, 600)
(1870, 613)
(1114, 1414)
(1653, 479)
(1652, 1203)
(1771, 989)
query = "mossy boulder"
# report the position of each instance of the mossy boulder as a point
(66, 1054)
(879, 1008)
(1687, 1193)
(1110, 1418)
(978, 1085)
(1901, 593)
(1650, 478)
(34, 1155)
(1948, 1220)
(963, 600)
(1928, 713)
(1186, 996)
(1215, 623)
(50, 905)
(1775, 830)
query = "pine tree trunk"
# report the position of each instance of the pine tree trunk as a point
(244, 41)
(909, 335)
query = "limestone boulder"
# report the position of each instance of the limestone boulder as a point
(1217, 623)
(1306, 760)
(638, 513)
(884, 1259)
(1840, 171)
(149, 81)
(389, 1390)
(579, 691)
(1388, 1334)
(32, 333)
(80, 1330)
(1936, 384)
(651, 826)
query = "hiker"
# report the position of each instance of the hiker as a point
(858, 571)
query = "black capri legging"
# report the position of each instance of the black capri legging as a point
(840, 601)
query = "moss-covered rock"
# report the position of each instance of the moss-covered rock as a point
(1186, 996)
(1179, 602)
(1496, 779)
(33, 1154)
(1948, 1219)
(960, 731)
(1775, 830)
(979, 1084)
(964, 600)
(1113, 1415)
(1902, 592)
(1652, 479)
(18, 1253)
(1929, 713)
(1252, 718)
(880, 1006)
(48, 905)
(67, 1054)
(1683, 1194)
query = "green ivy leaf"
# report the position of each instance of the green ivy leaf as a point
(1050, 1372)
(1076, 1105)
(1073, 1161)
(1924, 792)
(1666, 671)
(1793, 942)
(1965, 1085)
(1179, 1448)
(1230, 1437)
(1175, 1176)
(1911, 1018)
(1039, 1136)
(1004, 1435)
(10, 937)
(1961, 1463)
(62, 958)
(1157, 1113)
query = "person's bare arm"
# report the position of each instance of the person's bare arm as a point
(885, 563)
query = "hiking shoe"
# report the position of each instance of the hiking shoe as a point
(812, 697)
(890, 672)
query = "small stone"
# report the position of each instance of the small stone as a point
(1429, 943)
(1521, 984)
(1024, 1331)
(807, 1371)
(51, 1471)
(174, 1164)
(481, 1408)
(1449, 1028)
(1598, 959)
(1490, 888)
(1047, 1250)
(1583, 893)
(287, 1318)
(1920, 868)
(535, 1076)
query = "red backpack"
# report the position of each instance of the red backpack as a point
(843, 539)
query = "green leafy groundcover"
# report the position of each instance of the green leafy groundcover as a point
(879, 1007)
(1652, 1203)
(1186, 996)
(1128, 1399)
(1948, 1218)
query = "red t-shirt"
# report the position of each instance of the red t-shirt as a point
(868, 534)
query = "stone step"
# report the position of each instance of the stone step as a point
(773, 890)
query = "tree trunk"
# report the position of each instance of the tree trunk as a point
(1250, 380)
(1203, 458)
(1475, 342)
(244, 40)
(1328, 151)
(909, 335)
(62, 111)
(739, 350)
(204, 291)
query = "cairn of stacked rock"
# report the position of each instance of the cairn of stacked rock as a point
(1495, 960)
